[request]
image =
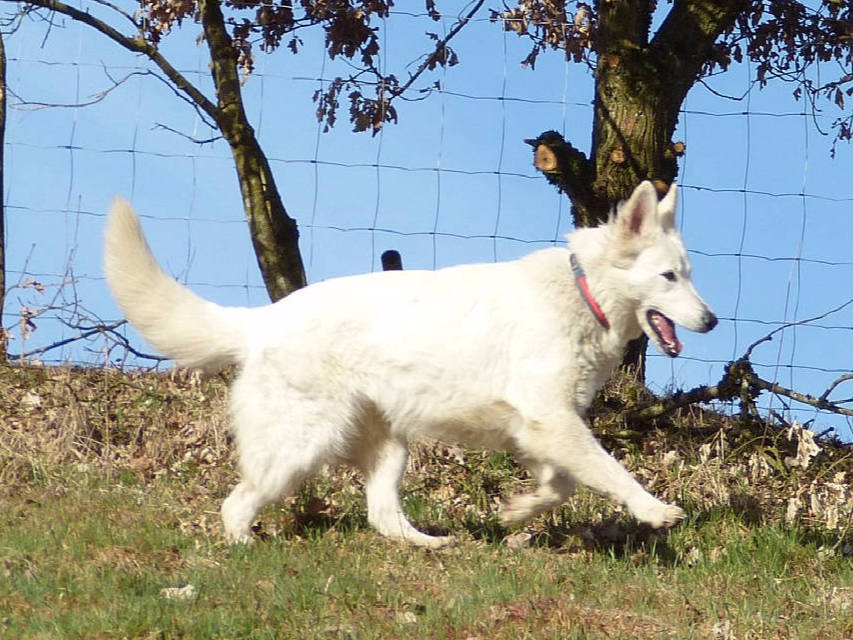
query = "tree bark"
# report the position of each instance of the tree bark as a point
(640, 86)
(275, 235)
(3, 94)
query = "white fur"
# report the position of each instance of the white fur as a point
(504, 356)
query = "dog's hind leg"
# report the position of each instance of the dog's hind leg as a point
(554, 488)
(282, 438)
(273, 478)
(239, 510)
(383, 464)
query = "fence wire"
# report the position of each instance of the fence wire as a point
(764, 210)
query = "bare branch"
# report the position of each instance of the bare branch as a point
(182, 96)
(160, 125)
(770, 335)
(111, 332)
(830, 388)
(87, 331)
(740, 381)
(135, 44)
(31, 105)
(440, 48)
(726, 96)
(677, 401)
(118, 10)
(804, 398)
(50, 347)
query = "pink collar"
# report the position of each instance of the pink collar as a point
(586, 294)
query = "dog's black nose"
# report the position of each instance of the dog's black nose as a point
(710, 320)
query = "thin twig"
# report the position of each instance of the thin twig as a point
(202, 113)
(830, 388)
(779, 417)
(136, 44)
(160, 125)
(804, 398)
(788, 325)
(88, 333)
(741, 381)
(120, 11)
(439, 49)
(31, 105)
(125, 344)
(62, 343)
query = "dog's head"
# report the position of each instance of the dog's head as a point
(657, 270)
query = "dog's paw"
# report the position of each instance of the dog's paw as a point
(515, 509)
(440, 542)
(510, 517)
(239, 540)
(672, 515)
(666, 516)
(419, 539)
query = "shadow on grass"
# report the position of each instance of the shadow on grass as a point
(617, 537)
(304, 524)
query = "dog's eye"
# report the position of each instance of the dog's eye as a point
(669, 275)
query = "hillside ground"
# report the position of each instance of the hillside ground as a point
(110, 486)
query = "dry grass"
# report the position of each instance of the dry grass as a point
(135, 421)
(112, 482)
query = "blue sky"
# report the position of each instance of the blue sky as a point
(757, 181)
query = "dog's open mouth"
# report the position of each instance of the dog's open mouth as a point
(664, 329)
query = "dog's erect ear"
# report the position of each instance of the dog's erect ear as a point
(638, 216)
(667, 207)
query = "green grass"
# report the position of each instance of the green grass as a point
(88, 557)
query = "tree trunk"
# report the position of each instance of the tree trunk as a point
(634, 116)
(633, 123)
(640, 86)
(275, 235)
(3, 94)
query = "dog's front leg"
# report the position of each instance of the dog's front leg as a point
(565, 442)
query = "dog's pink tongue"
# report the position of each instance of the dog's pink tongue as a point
(667, 332)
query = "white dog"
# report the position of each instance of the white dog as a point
(505, 356)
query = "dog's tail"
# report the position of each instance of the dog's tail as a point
(183, 326)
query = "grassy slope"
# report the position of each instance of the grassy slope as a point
(110, 484)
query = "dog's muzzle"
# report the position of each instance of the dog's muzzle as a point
(709, 321)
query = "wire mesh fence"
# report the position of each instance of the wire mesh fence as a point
(765, 210)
